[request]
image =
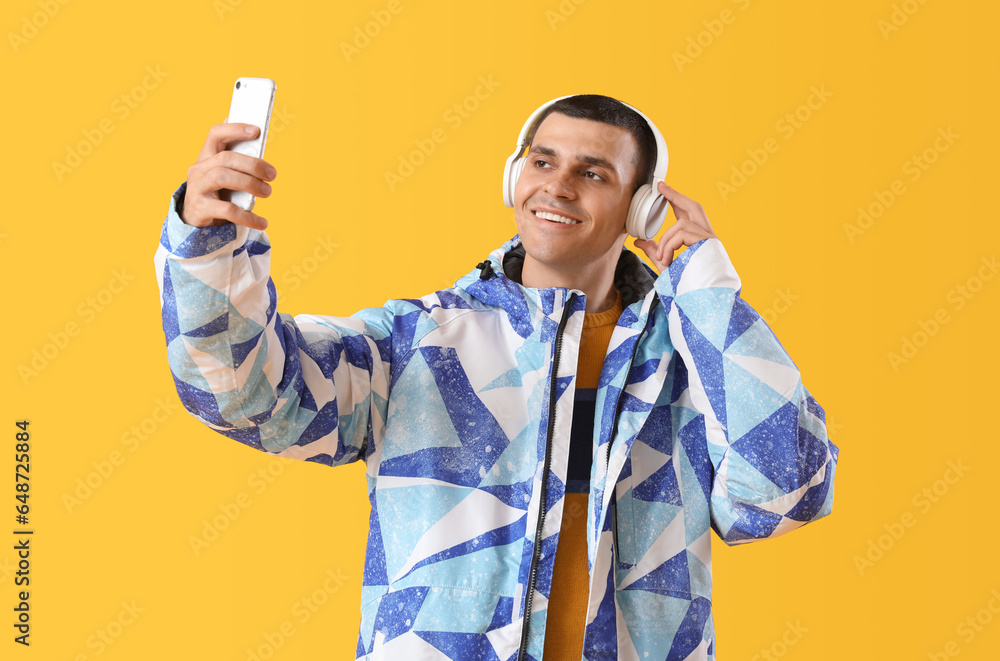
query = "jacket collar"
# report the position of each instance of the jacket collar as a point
(499, 283)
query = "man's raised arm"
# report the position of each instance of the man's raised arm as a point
(771, 460)
(301, 388)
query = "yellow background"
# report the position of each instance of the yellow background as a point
(839, 306)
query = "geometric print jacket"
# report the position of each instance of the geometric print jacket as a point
(460, 405)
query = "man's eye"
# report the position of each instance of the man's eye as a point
(593, 175)
(541, 164)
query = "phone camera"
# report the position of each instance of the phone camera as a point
(237, 84)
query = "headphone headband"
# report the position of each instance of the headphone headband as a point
(528, 132)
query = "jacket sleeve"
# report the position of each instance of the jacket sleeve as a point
(772, 465)
(310, 387)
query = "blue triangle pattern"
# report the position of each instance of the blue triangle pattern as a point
(710, 368)
(450, 300)
(240, 350)
(642, 372)
(206, 241)
(692, 438)
(171, 327)
(692, 630)
(320, 458)
(325, 421)
(562, 383)
(512, 495)
(617, 358)
(673, 572)
(741, 318)
(375, 572)
(357, 351)
(660, 487)
(753, 523)
(459, 466)
(397, 608)
(767, 445)
(257, 247)
(497, 537)
(812, 502)
(501, 614)
(601, 638)
(543, 579)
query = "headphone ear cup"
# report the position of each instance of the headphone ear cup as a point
(635, 221)
(511, 172)
(646, 213)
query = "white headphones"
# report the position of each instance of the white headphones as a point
(648, 208)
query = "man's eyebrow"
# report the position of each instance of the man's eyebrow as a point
(592, 160)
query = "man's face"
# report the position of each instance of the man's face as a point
(571, 200)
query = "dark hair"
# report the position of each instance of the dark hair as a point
(607, 110)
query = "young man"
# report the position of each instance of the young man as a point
(549, 442)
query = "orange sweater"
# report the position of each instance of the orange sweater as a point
(567, 613)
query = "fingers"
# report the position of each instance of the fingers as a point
(684, 207)
(652, 249)
(202, 204)
(691, 226)
(209, 212)
(222, 135)
(236, 162)
(219, 169)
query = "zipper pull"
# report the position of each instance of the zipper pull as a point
(614, 527)
(487, 269)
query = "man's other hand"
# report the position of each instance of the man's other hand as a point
(216, 169)
(690, 227)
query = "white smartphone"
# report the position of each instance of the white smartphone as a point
(253, 99)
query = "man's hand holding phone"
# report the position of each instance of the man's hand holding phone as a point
(218, 168)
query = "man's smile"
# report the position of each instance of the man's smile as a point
(546, 214)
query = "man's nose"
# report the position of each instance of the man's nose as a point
(560, 184)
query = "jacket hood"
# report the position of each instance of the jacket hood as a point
(496, 281)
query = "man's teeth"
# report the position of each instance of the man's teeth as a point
(556, 217)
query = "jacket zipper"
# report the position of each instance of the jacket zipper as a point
(537, 551)
(618, 410)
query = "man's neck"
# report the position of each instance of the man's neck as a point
(597, 281)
